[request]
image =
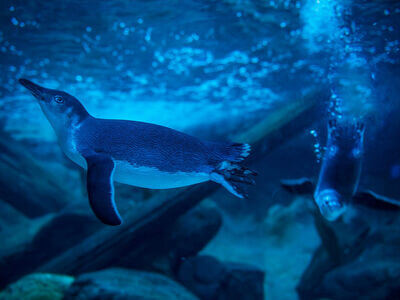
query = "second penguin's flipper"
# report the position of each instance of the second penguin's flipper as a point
(299, 186)
(100, 169)
(374, 201)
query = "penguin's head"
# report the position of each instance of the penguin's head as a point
(60, 108)
(330, 204)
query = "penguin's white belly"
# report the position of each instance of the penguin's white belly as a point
(146, 177)
(69, 148)
(153, 178)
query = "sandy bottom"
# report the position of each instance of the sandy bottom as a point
(282, 246)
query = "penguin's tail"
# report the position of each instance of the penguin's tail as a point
(233, 177)
(236, 152)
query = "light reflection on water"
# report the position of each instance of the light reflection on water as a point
(190, 63)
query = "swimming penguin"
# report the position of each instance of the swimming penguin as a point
(136, 153)
(339, 175)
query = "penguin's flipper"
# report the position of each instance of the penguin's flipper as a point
(299, 186)
(100, 169)
(374, 201)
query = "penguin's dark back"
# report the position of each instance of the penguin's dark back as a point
(150, 145)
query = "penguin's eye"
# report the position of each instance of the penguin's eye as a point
(58, 99)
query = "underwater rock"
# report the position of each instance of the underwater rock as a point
(187, 236)
(380, 275)
(341, 243)
(38, 286)
(202, 275)
(242, 282)
(352, 257)
(209, 278)
(377, 268)
(30, 248)
(123, 284)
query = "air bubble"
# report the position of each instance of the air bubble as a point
(313, 133)
(14, 21)
(148, 35)
(317, 149)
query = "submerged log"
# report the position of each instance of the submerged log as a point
(9, 216)
(106, 246)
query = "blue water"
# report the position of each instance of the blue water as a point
(270, 73)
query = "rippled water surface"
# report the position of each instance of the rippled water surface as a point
(164, 60)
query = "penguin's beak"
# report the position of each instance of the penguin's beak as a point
(37, 91)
